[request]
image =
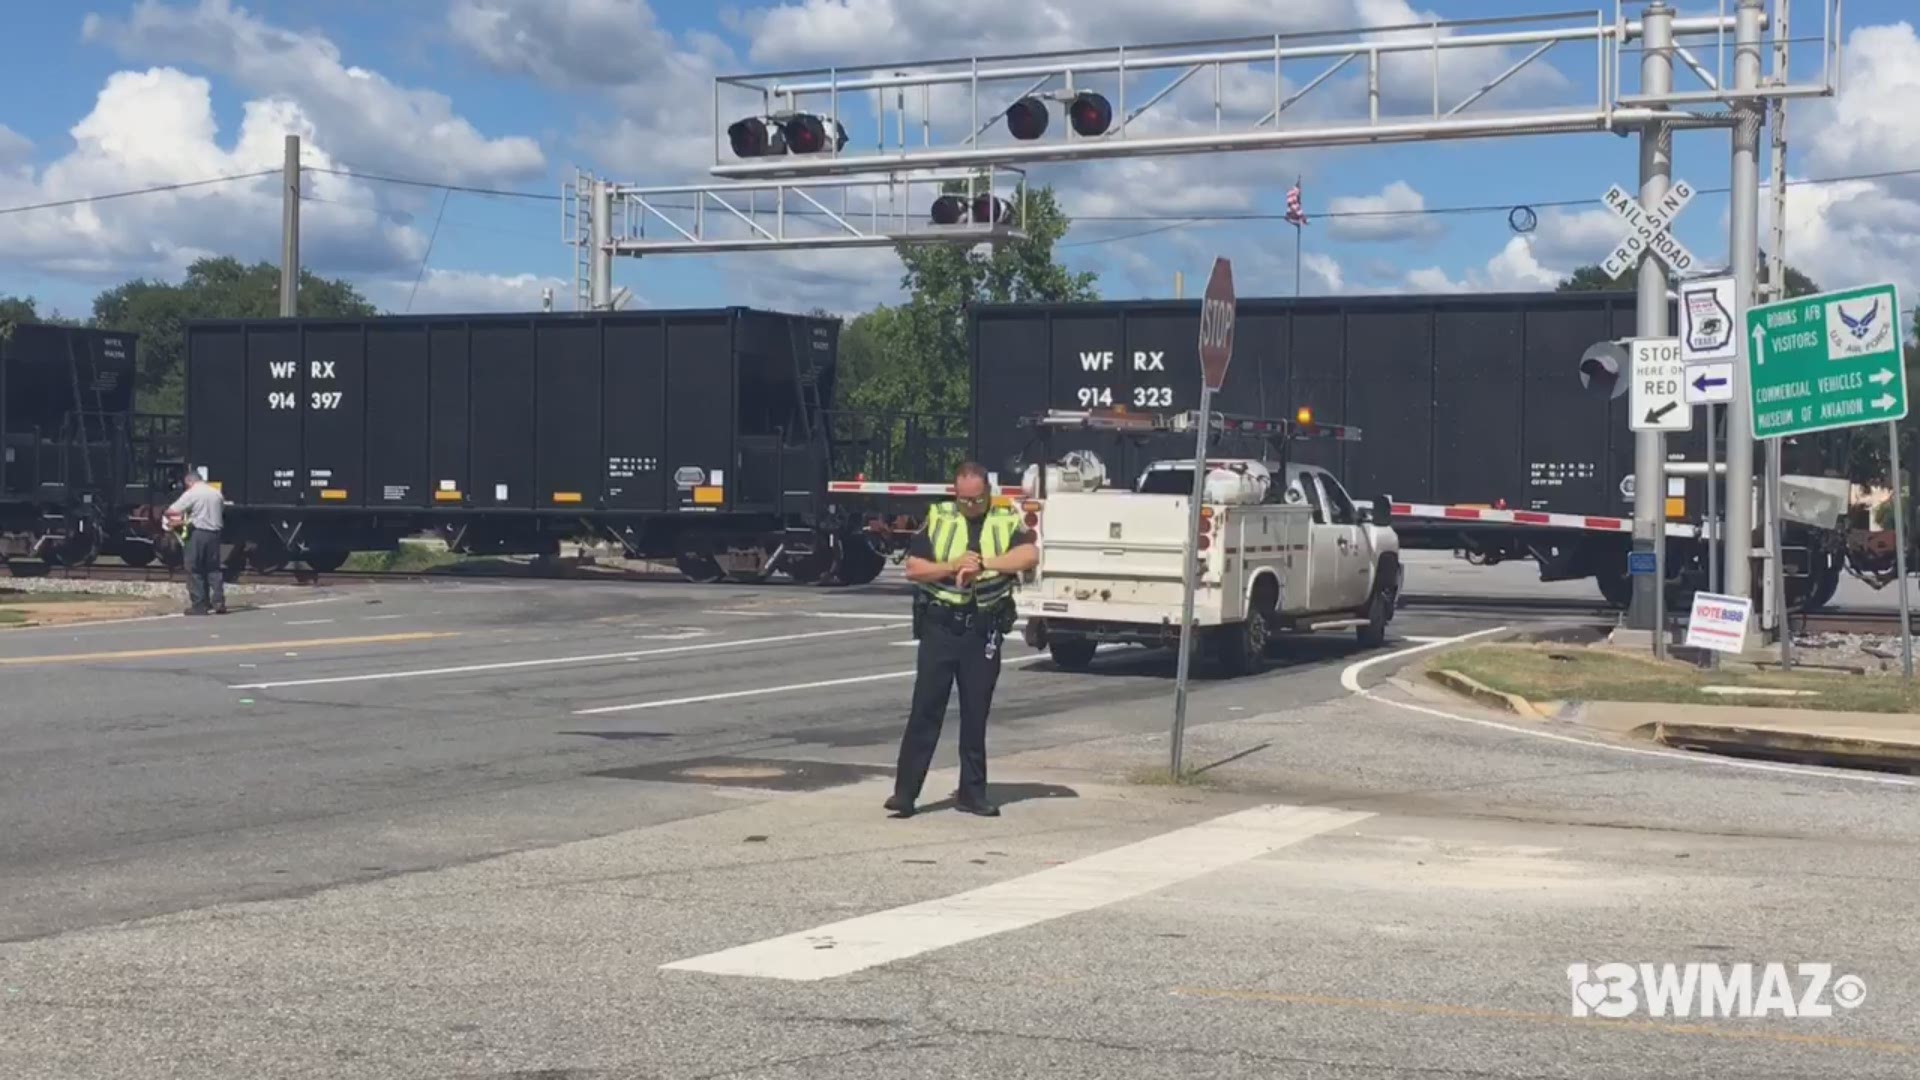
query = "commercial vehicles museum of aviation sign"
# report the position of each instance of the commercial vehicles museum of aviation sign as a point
(1830, 360)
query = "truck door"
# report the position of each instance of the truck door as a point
(1323, 550)
(1354, 565)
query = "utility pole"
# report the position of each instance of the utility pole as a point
(1650, 447)
(1776, 609)
(290, 230)
(1741, 243)
(600, 266)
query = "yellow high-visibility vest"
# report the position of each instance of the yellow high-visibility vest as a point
(947, 529)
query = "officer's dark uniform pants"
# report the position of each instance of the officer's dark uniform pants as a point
(950, 657)
(205, 590)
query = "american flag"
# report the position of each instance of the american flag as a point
(1295, 216)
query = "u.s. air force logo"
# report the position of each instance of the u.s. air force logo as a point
(1857, 332)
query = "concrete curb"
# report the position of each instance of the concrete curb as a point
(1486, 695)
(1805, 747)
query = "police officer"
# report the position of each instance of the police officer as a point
(202, 510)
(964, 564)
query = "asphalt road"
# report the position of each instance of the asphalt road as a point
(457, 830)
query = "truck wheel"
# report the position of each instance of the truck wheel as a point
(1073, 654)
(1379, 611)
(1242, 648)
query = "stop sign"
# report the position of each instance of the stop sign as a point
(1216, 325)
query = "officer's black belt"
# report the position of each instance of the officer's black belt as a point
(961, 620)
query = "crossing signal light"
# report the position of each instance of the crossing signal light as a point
(756, 136)
(801, 133)
(1090, 114)
(984, 209)
(1027, 118)
(987, 209)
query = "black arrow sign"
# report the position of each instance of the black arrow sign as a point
(1654, 415)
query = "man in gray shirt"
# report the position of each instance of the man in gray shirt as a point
(203, 510)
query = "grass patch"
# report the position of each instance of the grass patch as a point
(1571, 673)
(408, 558)
(20, 596)
(11, 618)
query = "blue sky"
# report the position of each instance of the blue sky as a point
(514, 94)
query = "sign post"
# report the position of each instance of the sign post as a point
(1657, 401)
(1709, 346)
(1650, 246)
(1826, 361)
(1216, 352)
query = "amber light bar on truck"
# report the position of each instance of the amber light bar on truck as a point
(1301, 426)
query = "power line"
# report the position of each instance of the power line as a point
(153, 190)
(464, 189)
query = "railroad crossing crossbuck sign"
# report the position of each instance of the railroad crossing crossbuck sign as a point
(1216, 325)
(1650, 230)
(1830, 360)
(1657, 399)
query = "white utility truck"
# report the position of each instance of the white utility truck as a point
(1282, 548)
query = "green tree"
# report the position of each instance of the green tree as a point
(214, 288)
(913, 357)
(1593, 278)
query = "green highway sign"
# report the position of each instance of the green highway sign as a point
(1830, 360)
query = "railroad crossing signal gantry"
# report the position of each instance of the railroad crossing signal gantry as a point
(981, 111)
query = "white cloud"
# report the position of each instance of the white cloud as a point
(661, 124)
(845, 281)
(1395, 216)
(158, 127)
(1514, 268)
(15, 148)
(368, 120)
(466, 291)
(1861, 231)
(1324, 269)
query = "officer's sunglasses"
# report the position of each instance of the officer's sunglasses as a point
(972, 500)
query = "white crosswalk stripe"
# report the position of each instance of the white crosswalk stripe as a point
(1096, 881)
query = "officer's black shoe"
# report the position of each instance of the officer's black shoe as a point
(982, 808)
(900, 806)
(196, 611)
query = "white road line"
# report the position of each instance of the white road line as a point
(857, 615)
(306, 622)
(1350, 678)
(1417, 640)
(1096, 881)
(729, 695)
(300, 603)
(377, 618)
(553, 661)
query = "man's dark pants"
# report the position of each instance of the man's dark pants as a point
(205, 590)
(950, 657)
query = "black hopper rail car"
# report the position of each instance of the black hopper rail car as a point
(78, 466)
(1479, 426)
(693, 436)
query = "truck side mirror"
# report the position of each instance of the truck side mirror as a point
(1382, 510)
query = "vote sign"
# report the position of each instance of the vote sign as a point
(1831, 360)
(1216, 325)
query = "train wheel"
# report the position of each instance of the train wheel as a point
(817, 565)
(135, 553)
(699, 569)
(1823, 592)
(167, 546)
(860, 561)
(1616, 588)
(324, 562)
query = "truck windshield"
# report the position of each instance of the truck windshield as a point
(1167, 482)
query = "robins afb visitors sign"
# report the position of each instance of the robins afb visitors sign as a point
(1830, 360)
